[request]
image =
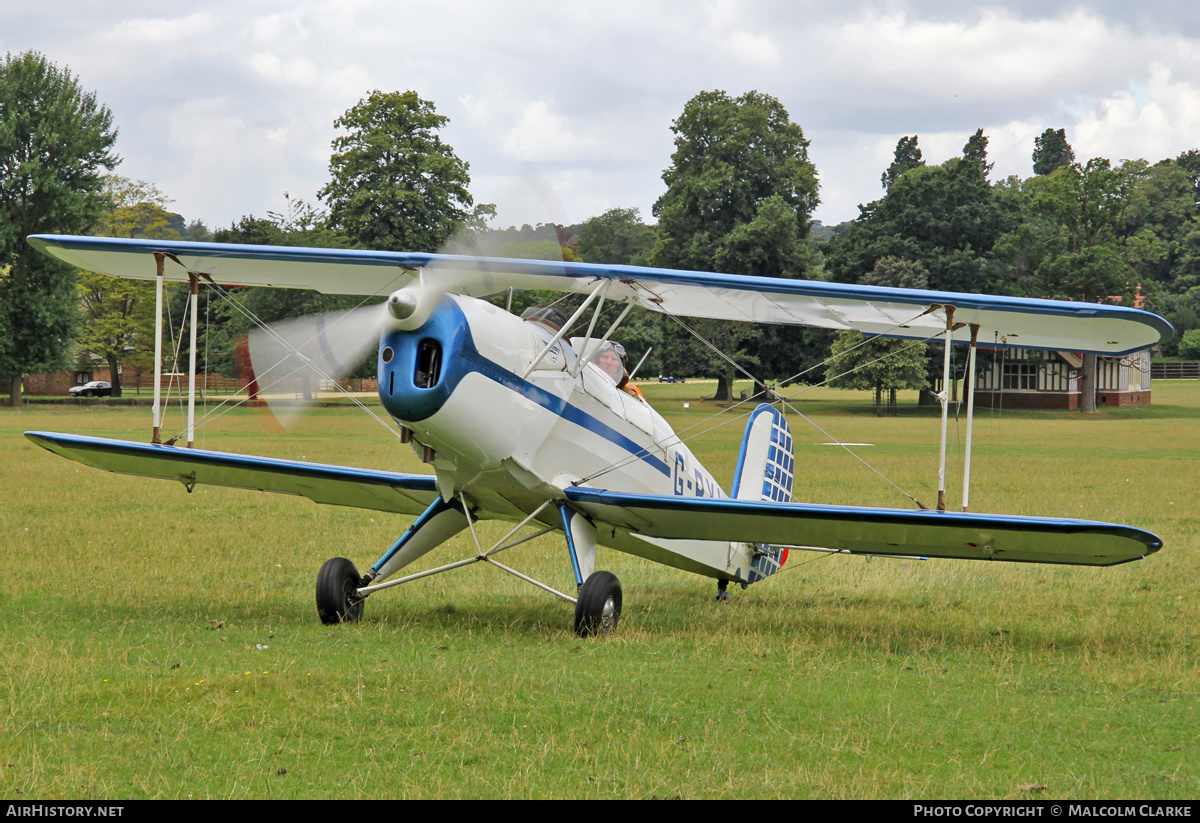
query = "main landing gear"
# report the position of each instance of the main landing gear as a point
(341, 590)
(599, 605)
(338, 600)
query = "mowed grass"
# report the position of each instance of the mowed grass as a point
(158, 644)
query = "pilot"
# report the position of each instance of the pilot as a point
(610, 359)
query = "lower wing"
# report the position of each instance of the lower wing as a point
(333, 485)
(861, 530)
(858, 530)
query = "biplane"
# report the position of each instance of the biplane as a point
(522, 422)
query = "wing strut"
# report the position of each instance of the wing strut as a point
(156, 433)
(599, 290)
(194, 300)
(194, 310)
(941, 501)
(969, 390)
(593, 346)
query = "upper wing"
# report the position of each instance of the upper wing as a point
(1003, 321)
(859, 530)
(335, 485)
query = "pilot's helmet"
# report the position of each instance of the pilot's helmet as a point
(609, 345)
(550, 317)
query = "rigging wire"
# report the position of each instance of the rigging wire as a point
(784, 400)
(727, 420)
(228, 404)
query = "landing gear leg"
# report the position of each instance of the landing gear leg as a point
(722, 591)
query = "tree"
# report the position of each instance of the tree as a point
(907, 156)
(1161, 204)
(55, 145)
(881, 363)
(859, 362)
(395, 185)
(299, 224)
(1190, 345)
(1051, 151)
(1075, 243)
(946, 217)
(118, 315)
(975, 151)
(618, 237)
(740, 190)
(1189, 161)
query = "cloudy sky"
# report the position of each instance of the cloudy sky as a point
(564, 109)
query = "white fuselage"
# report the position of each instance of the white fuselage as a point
(508, 440)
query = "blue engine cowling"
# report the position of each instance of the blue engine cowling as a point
(418, 370)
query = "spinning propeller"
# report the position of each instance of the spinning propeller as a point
(291, 359)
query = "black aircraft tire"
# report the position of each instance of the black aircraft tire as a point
(336, 584)
(599, 605)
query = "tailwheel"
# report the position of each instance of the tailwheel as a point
(337, 587)
(599, 605)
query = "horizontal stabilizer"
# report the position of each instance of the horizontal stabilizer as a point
(334, 485)
(1017, 322)
(859, 530)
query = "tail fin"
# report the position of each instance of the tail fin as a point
(765, 472)
(764, 469)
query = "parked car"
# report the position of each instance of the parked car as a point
(97, 388)
(664, 379)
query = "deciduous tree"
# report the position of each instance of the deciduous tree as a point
(55, 145)
(946, 217)
(740, 192)
(618, 237)
(118, 314)
(1075, 245)
(881, 363)
(395, 185)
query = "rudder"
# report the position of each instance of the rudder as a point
(765, 472)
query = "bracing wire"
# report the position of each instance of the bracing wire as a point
(229, 403)
(730, 419)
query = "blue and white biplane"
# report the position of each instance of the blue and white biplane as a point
(522, 423)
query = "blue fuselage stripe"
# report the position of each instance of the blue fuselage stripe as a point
(557, 405)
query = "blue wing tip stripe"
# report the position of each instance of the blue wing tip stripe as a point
(268, 464)
(668, 278)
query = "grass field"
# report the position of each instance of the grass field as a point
(165, 645)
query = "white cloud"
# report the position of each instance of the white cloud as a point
(296, 71)
(589, 90)
(161, 30)
(542, 135)
(753, 48)
(996, 56)
(1160, 121)
(282, 26)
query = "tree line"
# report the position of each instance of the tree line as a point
(740, 193)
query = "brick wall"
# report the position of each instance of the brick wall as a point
(1123, 400)
(1025, 400)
